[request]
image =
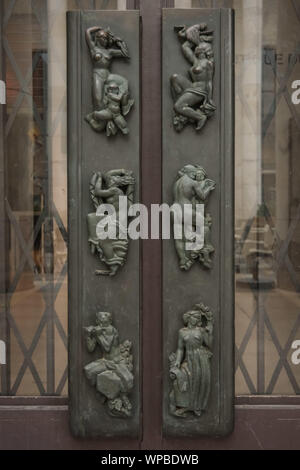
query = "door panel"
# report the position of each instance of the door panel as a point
(267, 320)
(199, 280)
(103, 276)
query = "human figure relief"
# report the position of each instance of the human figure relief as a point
(190, 368)
(111, 374)
(106, 188)
(193, 94)
(110, 92)
(192, 187)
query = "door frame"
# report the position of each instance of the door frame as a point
(42, 422)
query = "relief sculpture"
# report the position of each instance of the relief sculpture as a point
(190, 368)
(193, 93)
(110, 92)
(106, 188)
(111, 374)
(193, 187)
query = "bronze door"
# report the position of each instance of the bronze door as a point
(33, 233)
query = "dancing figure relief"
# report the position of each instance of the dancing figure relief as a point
(193, 93)
(193, 187)
(112, 373)
(106, 188)
(110, 91)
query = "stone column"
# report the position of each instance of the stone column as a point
(121, 5)
(183, 3)
(248, 107)
(57, 88)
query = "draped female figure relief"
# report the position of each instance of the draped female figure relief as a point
(193, 94)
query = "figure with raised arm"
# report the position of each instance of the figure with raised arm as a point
(190, 368)
(104, 47)
(191, 188)
(193, 94)
(106, 189)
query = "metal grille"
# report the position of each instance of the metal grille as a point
(268, 281)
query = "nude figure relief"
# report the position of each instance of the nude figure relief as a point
(110, 92)
(106, 188)
(193, 93)
(193, 187)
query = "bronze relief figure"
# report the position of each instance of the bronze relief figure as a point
(110, 92)
(193, 94)
(111, 374)
(106, 188)
(190, 368)
(193, 187)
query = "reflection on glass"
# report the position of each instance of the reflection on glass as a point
(267, 240)
(267, 197)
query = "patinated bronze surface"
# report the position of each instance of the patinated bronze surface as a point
(198, 169)
(111, 374)
(104, 274)
(193, 93)
(190, 365)
(106, 188)
(193, 187)
(110, 92)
